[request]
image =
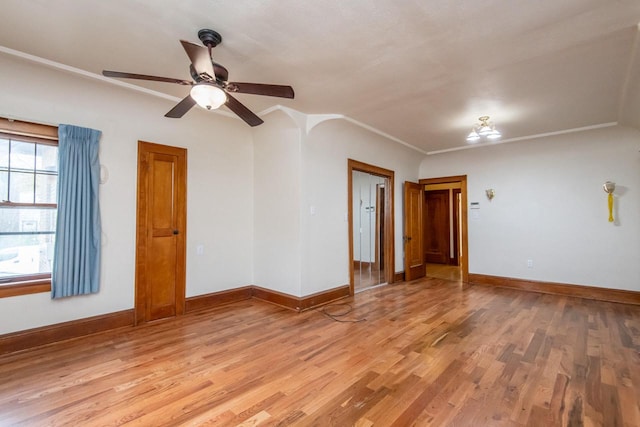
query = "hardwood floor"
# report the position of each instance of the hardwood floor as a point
(429, 352)
(366, 275)
(444, 271)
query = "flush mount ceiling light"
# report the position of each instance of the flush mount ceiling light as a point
(484, 129)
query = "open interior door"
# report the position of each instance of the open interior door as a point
(414, 264)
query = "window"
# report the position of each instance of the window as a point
(28, 192)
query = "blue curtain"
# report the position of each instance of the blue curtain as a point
(76, 261)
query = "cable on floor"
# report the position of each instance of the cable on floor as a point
(335, 316)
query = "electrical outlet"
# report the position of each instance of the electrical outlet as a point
(529, 263)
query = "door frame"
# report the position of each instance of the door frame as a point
(464, 238)
(456, 225)
(388, 222)
(144, 148)
(380, 241)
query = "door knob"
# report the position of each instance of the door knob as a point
(175, 231)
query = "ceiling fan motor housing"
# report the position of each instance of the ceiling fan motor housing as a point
(221, 73)
(209, 38)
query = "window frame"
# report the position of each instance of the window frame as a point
(40, 134)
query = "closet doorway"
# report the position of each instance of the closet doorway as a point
(371, 248)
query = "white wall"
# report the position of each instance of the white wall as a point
(629, 110)
(249, 192)
(277, 204)
(550, 207)
(296, 251)
(220, 186)
(325, 235)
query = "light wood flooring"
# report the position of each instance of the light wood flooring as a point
(444, 271)
(366, 275)
(429, 352)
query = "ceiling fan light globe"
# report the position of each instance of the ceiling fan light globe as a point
(208, 96)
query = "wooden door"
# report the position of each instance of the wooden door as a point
(437, 227)
(456, 226)
(161, 232)
(414, 265)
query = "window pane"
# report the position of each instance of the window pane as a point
(46, 186)
(21, 186)
(4, 186)
(46, 158)
(33, 254)
(4, 153)
(22, 155)
(23, 250)
(27, 220)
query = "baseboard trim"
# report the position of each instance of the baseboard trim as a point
(300, 303)
(398, 276)
(37, 337)
(200, 302)
(321, 298)
(579, 291)
(277, 298)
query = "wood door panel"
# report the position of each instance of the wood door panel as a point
(162, 192)
(161, 265)
(413, 229)
(437, 227)
(414, 239)
(160, 249)
(161, 276)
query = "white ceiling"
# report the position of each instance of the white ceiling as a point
(422, 71)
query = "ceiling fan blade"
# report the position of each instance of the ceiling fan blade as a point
(200, 58)
(261, 89)
(181, 108)
(243, 112)
(121, 75)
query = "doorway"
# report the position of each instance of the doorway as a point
(445, 228)
(160, 232)
(371, 246)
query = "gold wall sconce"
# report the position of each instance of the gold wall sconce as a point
(609, 187)
(491, 193)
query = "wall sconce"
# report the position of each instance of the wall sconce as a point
(609, 187)
(490, 193)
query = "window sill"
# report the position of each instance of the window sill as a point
(25, 288)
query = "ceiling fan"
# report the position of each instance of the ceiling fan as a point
(210, 87)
